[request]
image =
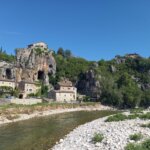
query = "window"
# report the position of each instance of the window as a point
(30, 90)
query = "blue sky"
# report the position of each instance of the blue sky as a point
(93, 29)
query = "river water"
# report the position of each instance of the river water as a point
(42, 133)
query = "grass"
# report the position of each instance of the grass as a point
(136, 137)
(117, 117)
(29, 109)
(137, 110)
(97, 137)
(122, 117)
(142, 146)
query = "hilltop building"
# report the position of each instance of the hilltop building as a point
(64, 92)
(38, 44)
(134, 55)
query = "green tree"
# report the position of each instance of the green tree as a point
(61, 52)
(145, 100)
(67, 54)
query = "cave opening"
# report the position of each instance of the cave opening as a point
(20, 96)
(50, 66)
(8, 73)
(40, 75)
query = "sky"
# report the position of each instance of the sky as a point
(92, 29)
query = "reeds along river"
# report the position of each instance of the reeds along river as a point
(42, 133)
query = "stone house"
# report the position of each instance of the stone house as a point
(24, 87)
(64, 92)
(9, 83)
(27, 88)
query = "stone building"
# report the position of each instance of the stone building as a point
(9, 83)
(134, 55)
(64, 92)
(33, 64)
(27, 88)
(38, 44)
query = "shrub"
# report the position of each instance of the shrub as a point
(132, 146)
(143, 146)
(146, 144)
(122, 117)
(117, 117)
(134, 116)
(136, 137)
(136, 110)
(97, 137)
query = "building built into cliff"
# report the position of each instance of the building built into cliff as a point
(27, 88)
(34, 64)
(64, 92)
(7, 83)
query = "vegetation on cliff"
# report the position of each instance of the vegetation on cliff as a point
(6, 57)
(124, 81)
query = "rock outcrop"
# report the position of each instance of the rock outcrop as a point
(89, 85)
(33, 63)
(7, 70)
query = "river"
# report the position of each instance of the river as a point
(43, 132)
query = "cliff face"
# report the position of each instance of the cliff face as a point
(7, 70)
(33, 63)
(89, 85)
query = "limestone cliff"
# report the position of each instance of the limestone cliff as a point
(33, 63)
(89, 84)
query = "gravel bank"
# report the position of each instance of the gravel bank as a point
(116, 135)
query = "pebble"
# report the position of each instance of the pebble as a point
(116, 135)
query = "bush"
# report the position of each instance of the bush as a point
(132, 146)
(134, 116)
(136, 110)
(122, 117)
(146, 144)
(136, 137)
(143, 146)
(117, 117)
(97, 137)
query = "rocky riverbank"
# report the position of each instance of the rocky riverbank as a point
(116, 135)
